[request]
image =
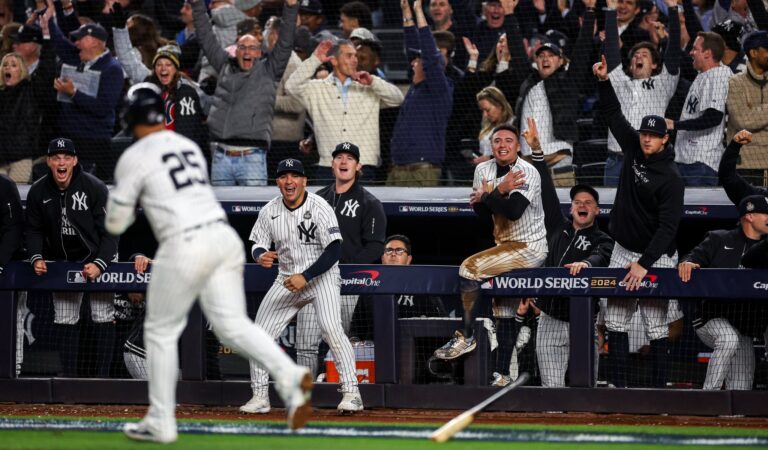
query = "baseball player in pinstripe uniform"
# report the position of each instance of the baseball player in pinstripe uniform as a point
(307, 241)
(518, 228)
(644, 221)
(167, 174)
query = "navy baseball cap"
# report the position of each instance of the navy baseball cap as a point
(61, 145)
(753, 204)
(347, 147)
(90, 29)
(730, 31)
(585, 188)
(653, 124)
(549, 46)
(756, 39)
(29, 33)
(313, 7)
(290, 165)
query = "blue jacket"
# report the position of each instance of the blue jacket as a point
(89, 117)
(419, 133)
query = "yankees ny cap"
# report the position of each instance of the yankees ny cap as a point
(61, 145)
(756, 39)
(347, 147)
(552, 47)
(653, 124)
(29, 33)
(91, 29)
(753, 204)
(313, 7)
(290, 165)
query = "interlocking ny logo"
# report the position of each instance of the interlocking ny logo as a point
(582, 243)
(289, 162)
(307, 234)
(651, 122)
(693, 105)
(79, 199)
(345, 146)
(187, 106)
(648, 84)
(60, 143)
(350, 208)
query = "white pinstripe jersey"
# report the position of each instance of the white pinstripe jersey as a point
(530, 227)
(641, 97)
(167, 174)
(299, 235)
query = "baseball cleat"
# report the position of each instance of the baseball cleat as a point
(457, 346)
(140, 431)
(258, 404)
(350, 403)
(300, 406)
(500, 380)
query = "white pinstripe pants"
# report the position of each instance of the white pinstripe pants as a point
(503, 258)
(733, 356)
(652, 310)
(185, 267)
(552, 350)
(280, 306)
(309, 335)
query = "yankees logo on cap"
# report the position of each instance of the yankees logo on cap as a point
(653, 124)
(757, 204)
(290, 165)
(61, 145)
(347, 147)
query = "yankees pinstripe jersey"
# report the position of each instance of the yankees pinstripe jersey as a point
(641, 97)
(536, 105)
(528, 228)
(168, 173)
(709, 90)
(300, 235)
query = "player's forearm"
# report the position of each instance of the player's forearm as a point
(710, 118)
(327, 259)
(736, 187)
(512, 208)
(119, 217)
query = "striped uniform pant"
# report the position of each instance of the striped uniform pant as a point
(733, 356)
(309, 336)
(214, 273)
(280, 306)
(552, 350)
(503, 258)
(652, 310)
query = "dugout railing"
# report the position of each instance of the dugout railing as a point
(385, 281)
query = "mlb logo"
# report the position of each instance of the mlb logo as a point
(487, 284)
(75, 276)
(237, 208)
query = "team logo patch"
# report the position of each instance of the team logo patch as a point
(334, 230)
(307, 215)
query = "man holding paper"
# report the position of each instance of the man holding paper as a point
(89, 87)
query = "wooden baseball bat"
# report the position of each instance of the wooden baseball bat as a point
(463, 420)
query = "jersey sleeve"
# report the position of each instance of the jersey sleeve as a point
(714, 91)
(260, 235)
(129, 178)
(327, 225)
(531, 190)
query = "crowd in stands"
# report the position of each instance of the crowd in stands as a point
(254, 81)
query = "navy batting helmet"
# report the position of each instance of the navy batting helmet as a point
(143, 106)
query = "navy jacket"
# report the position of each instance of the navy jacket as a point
(89, 117)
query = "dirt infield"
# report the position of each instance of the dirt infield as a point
(385, 416)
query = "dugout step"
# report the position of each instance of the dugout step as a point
(476, 364)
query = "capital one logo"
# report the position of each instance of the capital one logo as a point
(79, 200)
(350, 208)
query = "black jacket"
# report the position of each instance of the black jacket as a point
(22, 110)
(723, 249)
(11, 221)
(362, 222)
(649, 199)
(188, 115)
(566, 244)
(85, 201)
(563, 87)
(757, 256)
(735, 186)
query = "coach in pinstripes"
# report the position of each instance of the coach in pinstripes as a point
(508, 189)
(307, 241)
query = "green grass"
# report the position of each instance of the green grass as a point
(82, 440)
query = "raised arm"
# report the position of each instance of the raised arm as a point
(278, 59)
(736, 187)
(553, 215)
(129, 57)
(610, 108)
(673, 54)
(216, 55)
(299, 81)
(580, 62)
(612, 50)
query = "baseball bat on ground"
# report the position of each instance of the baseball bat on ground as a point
(463, 420)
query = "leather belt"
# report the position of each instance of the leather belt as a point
(415, 166)
(203, 225)
(236, 153)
